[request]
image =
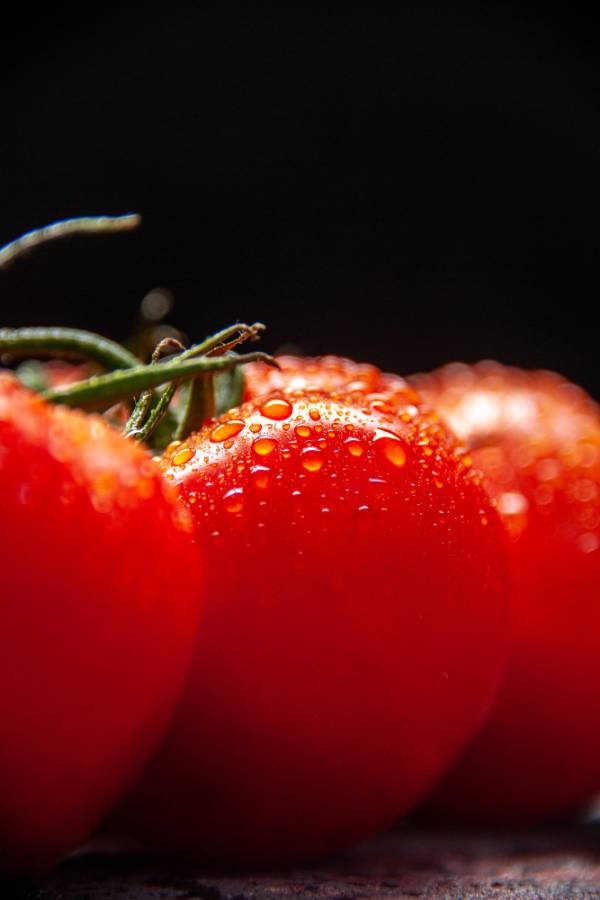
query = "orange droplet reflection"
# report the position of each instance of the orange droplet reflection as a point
(183, 456)
(233, 500)
(354, 447)
(311, 459)
(227, 430)
(264, 446)
(277, 408)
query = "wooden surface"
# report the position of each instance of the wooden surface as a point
(409, 863)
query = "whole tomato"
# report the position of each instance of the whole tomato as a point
(536, 439)
(353, 633)
(95, 629)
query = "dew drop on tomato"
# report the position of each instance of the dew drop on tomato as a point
(354, 447)
(312, 459)
(260, 476)
(264, 446)
(277, 408)
(233, 500)
(227, 430)
(183, 456)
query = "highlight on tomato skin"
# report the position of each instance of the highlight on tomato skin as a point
(95, 636)
(323, 373)
(536, 439)
(353, 633)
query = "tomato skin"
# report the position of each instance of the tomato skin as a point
(323, 373)
(536, 438)
(353, 633)
(94, 640)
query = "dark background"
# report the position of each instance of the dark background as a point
(406, 187)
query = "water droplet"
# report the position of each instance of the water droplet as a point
(390, 446)
(260, 476)
(183, 456)
(227, 430)
(172, 447)
(233, 500)
(255, 427)
(314, 414)
(264, 446)
(381, 406)
(354, 447)
(303, 431)
(228, 444)
(277, 408)
(312, 459)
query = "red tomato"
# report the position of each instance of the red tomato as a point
(95, 634)
(537, 440)
(353, 634)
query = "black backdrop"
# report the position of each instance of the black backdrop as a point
(405, 187)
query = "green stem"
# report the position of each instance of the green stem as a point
(79, 225)
(146, 428)
(144, 402)
(66, 342)
(103, 391)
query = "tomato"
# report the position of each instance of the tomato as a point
(536, 437)
(95, 634)
(353, 633)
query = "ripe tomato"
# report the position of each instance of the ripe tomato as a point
(537, 440)
(95, 634)
(353, 634)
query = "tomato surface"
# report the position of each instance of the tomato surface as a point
(536, 438)
(95, 630)
(353, 633)
(322, 373)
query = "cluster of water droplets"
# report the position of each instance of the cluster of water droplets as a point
(367, 449)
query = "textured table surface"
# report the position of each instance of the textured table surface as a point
(430, 865)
